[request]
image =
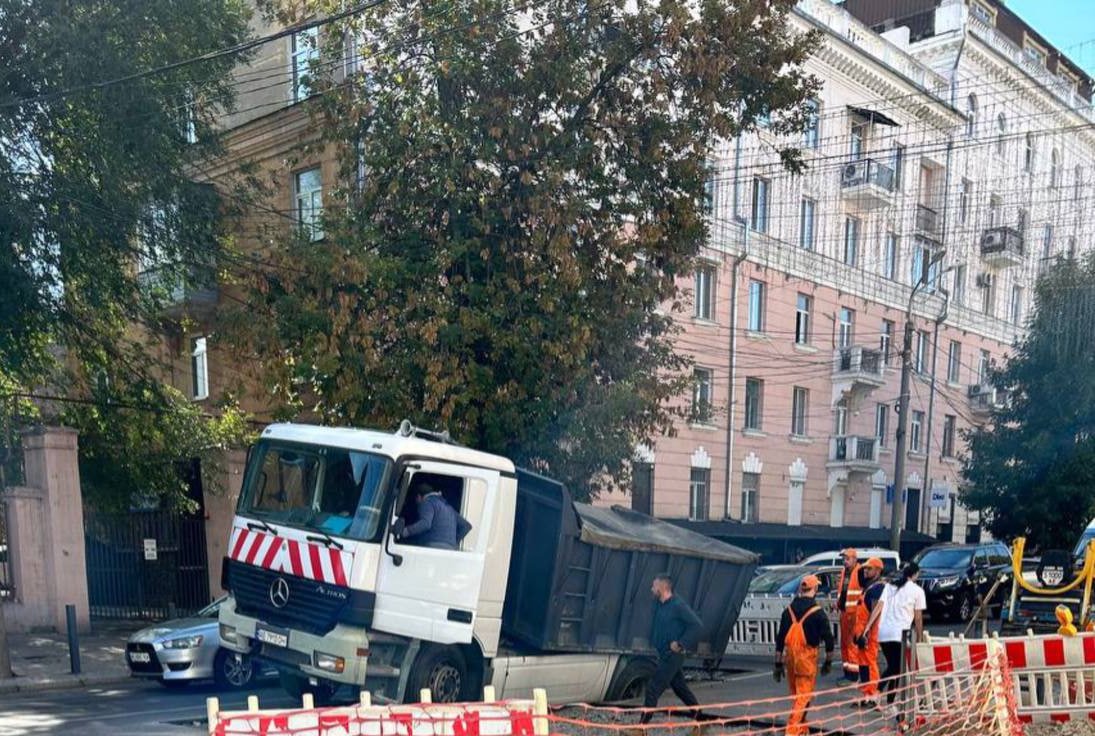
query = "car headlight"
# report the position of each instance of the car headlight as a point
(228, 633)
(947, 582)
(184, 642)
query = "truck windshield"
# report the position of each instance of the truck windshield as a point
(337, 491)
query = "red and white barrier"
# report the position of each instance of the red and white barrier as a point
(312, 561)
(508, 718)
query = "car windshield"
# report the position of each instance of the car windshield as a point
(328, 489)
(772, 581)
(946, 558)
(1084, 539)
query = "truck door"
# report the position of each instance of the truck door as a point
(431, 593)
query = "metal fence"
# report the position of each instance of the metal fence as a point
(146, 564)
(7, 584)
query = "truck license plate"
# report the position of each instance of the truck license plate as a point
(269, 636)
(139, 657)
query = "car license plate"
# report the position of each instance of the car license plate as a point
(139, 657)
(269, 636)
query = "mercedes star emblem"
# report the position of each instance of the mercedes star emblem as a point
(279, 593)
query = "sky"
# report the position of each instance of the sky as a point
(1066, 23)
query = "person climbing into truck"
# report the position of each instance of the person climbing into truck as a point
(675, 630)
(439, 525)
(802, 629)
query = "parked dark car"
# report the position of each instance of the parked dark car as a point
(956, 576)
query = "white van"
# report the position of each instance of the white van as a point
(891, 561)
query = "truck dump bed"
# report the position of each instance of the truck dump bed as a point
(580, 576)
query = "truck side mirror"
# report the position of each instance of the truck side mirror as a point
(395, 531)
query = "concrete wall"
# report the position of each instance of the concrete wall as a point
(220, 507)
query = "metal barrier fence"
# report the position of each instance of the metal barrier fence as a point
(754, 634)
(7, 584)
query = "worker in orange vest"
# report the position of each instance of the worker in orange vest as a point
(866, 632)
(850, 592)
(802, 629)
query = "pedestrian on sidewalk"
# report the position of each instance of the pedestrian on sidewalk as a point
(900, 609)
(866, 635)
(849, 592)
(675, 631)
(802, 629)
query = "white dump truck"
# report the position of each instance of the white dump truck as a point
(542, 592)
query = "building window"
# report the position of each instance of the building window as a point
(982, 12)
(923, 344)
(309, 196)
(1055, 168)
(807, 223)
(898, 165)
(984, 366)
(851, 241)
(882, 425)
(760, 204)
(750, 496)
(994, 211)
(846, 329)
(954, 361)
(799, 409)
(889, 257)
(858, 136)
(885, 341)
(1047, 241)
(949, 422)
(1016, 304)
(699, 487)
(642, 487)
(959, 295)
(915, 430)
(1078, 183)
(756, 306)
(971, 115)
(1001, 134)
(922, 266)
(754, 397)
(1035, 53)
(199, 369)
(1072, 247)
(1021, 223)
(987, 282)
(840, 421)
(1028, 154)
(964, 190)
(304, 53)
(705, 293)
(802, 320)
(701, 395)
(811, 138)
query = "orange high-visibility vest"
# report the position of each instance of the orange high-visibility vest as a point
(855, 593)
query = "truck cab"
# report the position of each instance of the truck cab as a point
(321, 588)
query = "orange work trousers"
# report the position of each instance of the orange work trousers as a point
(801, 666)
(867, 659)
(849, 652)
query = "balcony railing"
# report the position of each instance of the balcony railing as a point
(859, 360)
(928, 222)
(1002, 246)
(854, 450)
(984, 398)
(866, 172)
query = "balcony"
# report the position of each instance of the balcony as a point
(867, 185)
(177, 297)
(853, 453)
(928, 224)
(858, 368)
(1002, 247)
(984, 399)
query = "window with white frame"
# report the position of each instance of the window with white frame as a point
(982, 12)
(702, 388)
(954, 361)
(754, 403)
(915, 430)
(950, 423)
(308, 187)
(923, 345)
(304, 53)
(760, 204)
(705, 293)
(1028, 153)
(1016, 304)
(756, 306)
(851, 241)
(1047, 240)
(898, 165)
(199, 368)
(959, 293)
(885, 340)
(984, 367)
(889, 256)
(840, 419)
(965, 188)
(699, 490)
(750, 497)
(811, 136)
(995, 207)
(1072, 246)
(800, 400)
(971, 115)
(807, 223)
(802, 319)
(846, 328)
(882, 424)
(1001, 135)
(1037, 54)
(858, 138)
(1055, 168)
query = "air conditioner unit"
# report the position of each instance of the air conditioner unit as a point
(976, 390)
(985, 280)
(992, 239)
(854, 173)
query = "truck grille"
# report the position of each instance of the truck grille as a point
(313, 606)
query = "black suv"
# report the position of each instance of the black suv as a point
(956, 576)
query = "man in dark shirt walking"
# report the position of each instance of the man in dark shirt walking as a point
(676, 630)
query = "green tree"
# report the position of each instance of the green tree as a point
(523, 188)
(1031, 471)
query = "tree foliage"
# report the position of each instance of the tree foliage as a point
(523, 188)
(1032, 470)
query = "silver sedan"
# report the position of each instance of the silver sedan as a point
(182, 650)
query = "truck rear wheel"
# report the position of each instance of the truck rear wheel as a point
(442, 671)
(630, 682)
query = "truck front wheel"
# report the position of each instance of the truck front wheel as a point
(296, 686)
(442, 671)
(630, 682)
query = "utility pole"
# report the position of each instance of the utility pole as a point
(897, 516)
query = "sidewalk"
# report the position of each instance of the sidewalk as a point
(41, 661)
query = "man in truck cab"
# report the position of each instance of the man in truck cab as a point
(676, 629)
(439, 525)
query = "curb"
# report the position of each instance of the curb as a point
(59, 682)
